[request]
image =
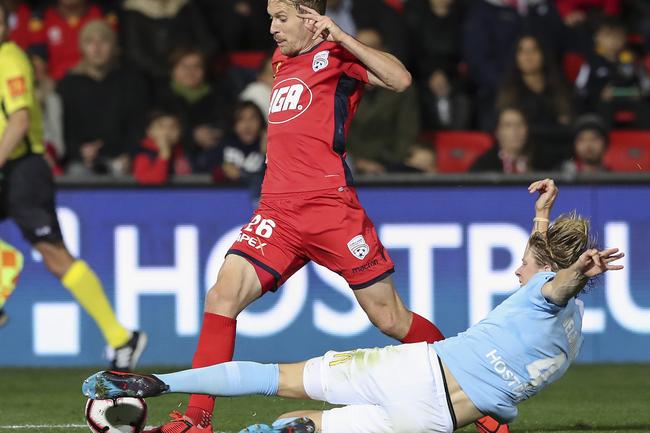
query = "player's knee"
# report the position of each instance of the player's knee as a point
(223, 300)
(385, 319)
(228, 297)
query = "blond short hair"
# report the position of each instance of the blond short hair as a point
(563, 243)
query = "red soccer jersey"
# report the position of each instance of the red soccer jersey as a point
(314, 97)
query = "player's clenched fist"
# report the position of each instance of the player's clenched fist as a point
(321, 25)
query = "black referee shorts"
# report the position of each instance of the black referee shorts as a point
(27, 196)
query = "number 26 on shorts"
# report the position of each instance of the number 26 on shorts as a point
(263, 227)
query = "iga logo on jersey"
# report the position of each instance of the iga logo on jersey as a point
(320, 60)
(289, 99)
(358, 247)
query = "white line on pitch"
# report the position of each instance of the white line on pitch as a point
(35, 426)
(55, 426)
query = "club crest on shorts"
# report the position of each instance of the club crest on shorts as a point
(320, 60)
(358, 247)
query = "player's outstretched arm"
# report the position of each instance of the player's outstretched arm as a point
(568, 282)
(384, 69)
(544, 203)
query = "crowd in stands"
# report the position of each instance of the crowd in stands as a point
(160, 88)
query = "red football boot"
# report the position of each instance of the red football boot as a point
(180, 424)
(487, 424)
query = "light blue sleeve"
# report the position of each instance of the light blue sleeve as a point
(535, 292)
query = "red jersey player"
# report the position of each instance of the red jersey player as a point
(308, 209)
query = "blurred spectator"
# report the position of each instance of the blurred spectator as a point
(241, 24)
(360, 14)
(612, 81)
(434, 29)
(512, 151)
(55, 33)
(386, 123)
(160, 154)
(154, 28)
(20, 14)
(244, 149)
(52, 108)
(443, 106)
(259, 91)
(341, 12)
(489, 34)
(590, 144)
(200, 107)
(103, 105)
(534, 84)
(421, 157)
(576, 12)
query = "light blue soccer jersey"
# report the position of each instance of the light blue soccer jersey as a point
(523, 345)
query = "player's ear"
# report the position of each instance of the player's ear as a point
(547, 268)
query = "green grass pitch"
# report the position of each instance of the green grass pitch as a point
(590, 398)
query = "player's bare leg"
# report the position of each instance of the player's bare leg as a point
(385, 308)
(83, 284)
(237, 286)
(387, 312)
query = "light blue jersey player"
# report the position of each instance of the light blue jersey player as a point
(523, 345)
(526, 343)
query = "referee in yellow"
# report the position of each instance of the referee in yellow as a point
(27, 196)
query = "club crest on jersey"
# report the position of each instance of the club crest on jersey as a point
(289, 99)
(320, 60)
(358, 247)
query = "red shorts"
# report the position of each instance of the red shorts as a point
(327, 226)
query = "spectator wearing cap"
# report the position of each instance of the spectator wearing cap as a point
(589, 146)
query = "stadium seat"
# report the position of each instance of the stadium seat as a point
(456, 151)
(628, 151)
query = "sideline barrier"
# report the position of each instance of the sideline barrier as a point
(455, 247)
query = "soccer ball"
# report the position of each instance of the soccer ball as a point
(119, 415)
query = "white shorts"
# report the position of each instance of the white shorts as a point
(405, 381)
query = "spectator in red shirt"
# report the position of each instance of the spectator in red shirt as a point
(574, 12)
(55, 33)
(160, 155)
(19, 21)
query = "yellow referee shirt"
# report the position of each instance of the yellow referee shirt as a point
(17, 92)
